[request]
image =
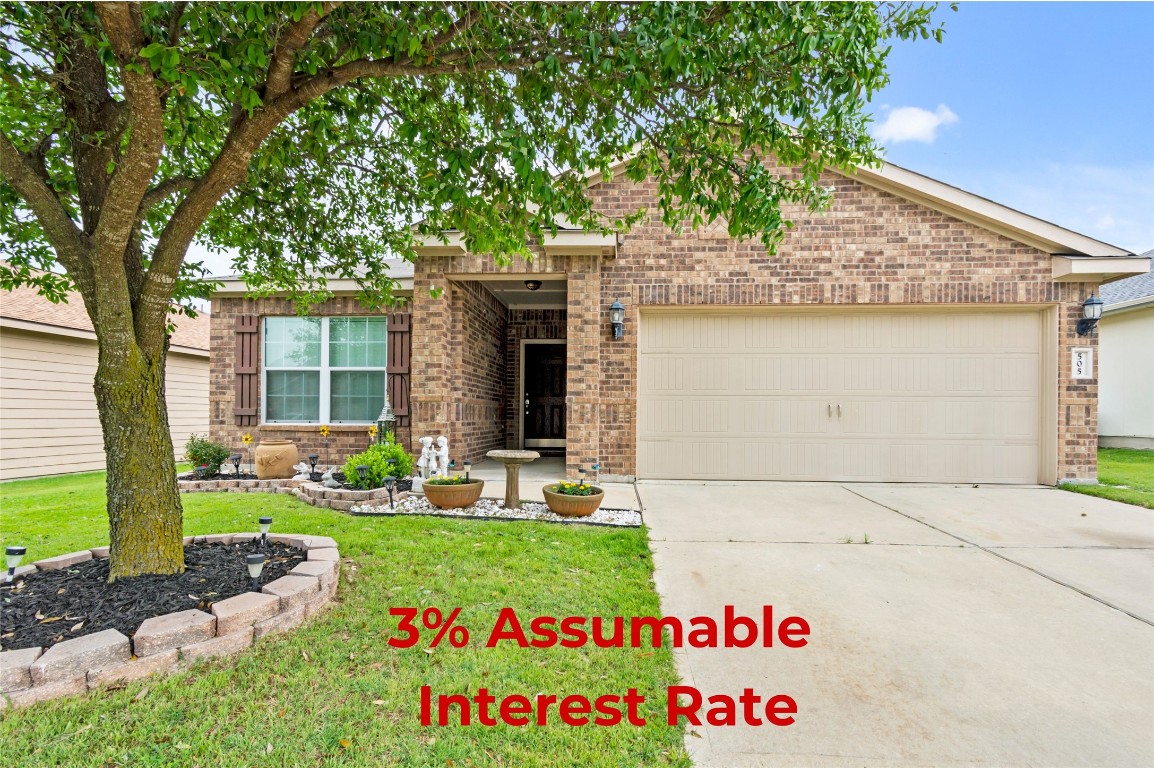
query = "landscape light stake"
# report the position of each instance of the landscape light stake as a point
(235, 459)
(581, 474)
(13, 555)
(265, 524)
(255, 565)
(362, 471)
(313, 459)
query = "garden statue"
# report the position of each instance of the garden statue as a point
(426, 464)
(327, 479)
(303, 472)
(443, 456)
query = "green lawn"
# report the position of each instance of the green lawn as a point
(1123, 475)
(334, 692)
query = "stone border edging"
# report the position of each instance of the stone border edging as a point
(316, 494)
(172, 642)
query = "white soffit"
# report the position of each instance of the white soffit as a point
(1101, 269)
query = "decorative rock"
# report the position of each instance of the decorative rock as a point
(132, 671)
(237, 614)
(70, 658)
(324, 553)
(173, 630)
(292, 590)
(69, 686)
(63, 561)
(99, 552)
(14, 672)
(282, 622)
(225, 645)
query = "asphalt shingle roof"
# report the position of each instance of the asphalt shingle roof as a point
(1137, 287)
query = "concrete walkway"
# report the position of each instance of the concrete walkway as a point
(542, 472)
(995, 626)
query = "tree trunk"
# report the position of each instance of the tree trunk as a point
(144, 512)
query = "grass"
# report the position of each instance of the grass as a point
(334, 692)
(1123, 475)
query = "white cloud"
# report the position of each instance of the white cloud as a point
(913, 124)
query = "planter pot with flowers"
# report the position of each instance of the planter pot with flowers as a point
(452, 492)
(573, 499)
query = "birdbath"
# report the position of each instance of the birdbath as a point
(513, 461)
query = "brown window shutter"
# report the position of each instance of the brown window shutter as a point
(400, 348)
(247, 408)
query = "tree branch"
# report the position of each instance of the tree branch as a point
(280, 69)
(165, 188)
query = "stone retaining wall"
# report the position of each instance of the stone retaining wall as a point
(340, 499)
(174, 641)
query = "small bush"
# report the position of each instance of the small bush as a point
(567, 488)
(376, 459)
(203, 452)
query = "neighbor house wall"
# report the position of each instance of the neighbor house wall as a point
(1126, 373)
(49, 424)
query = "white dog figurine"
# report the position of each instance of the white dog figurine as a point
(427, 463)
(303, 471)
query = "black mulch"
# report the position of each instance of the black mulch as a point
(401, 485)
(46, 607)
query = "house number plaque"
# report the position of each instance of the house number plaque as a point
(1082, 363)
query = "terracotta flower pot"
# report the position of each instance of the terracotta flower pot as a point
(453, 496)
(572, 506)
(275, 459)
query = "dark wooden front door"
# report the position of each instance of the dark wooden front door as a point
(543, 404)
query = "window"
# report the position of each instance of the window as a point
(324, 370)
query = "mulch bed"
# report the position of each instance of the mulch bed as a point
(47, 607)
(401, 485)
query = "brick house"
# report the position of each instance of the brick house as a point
(912, 332)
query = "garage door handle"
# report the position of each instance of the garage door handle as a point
(839, 410)
(829, 409)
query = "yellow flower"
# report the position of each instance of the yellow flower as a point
(325, 430)
(246, 438)
(373, 431)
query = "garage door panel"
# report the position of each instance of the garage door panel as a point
(922, 396)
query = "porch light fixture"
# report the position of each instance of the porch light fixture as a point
(235, 459)
(532, 285)
(255, 565)
(265, 524)
(362, 472)
(313, 459)
(386, 422)
(1091, 314)
(13, 556)
(617, 319)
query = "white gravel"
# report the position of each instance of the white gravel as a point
(494, 509)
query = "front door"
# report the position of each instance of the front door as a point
(544, 398)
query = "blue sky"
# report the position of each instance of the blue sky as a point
(1044, 107)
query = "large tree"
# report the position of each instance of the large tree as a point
(304, 137)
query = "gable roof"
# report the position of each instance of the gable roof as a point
(1131, 292)
(26, 309)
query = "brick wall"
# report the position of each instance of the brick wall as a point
(478, 342)
(870, 248)
(343, 440)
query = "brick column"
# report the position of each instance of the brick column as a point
(1077, 398)
(583, 321)
(432, 390)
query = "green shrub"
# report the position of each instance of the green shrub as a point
(203, 452)
(376, 459)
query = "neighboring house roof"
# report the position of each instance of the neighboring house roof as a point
(24, 308)
(1129, 293)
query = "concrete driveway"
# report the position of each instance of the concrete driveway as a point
(979, 626)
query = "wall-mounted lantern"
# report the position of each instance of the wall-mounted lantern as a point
(617, 319)
(1091, 314)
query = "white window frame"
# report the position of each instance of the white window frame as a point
(324, 413)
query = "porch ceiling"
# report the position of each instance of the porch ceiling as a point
(512, 293)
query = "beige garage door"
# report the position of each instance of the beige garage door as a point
(846, 395)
